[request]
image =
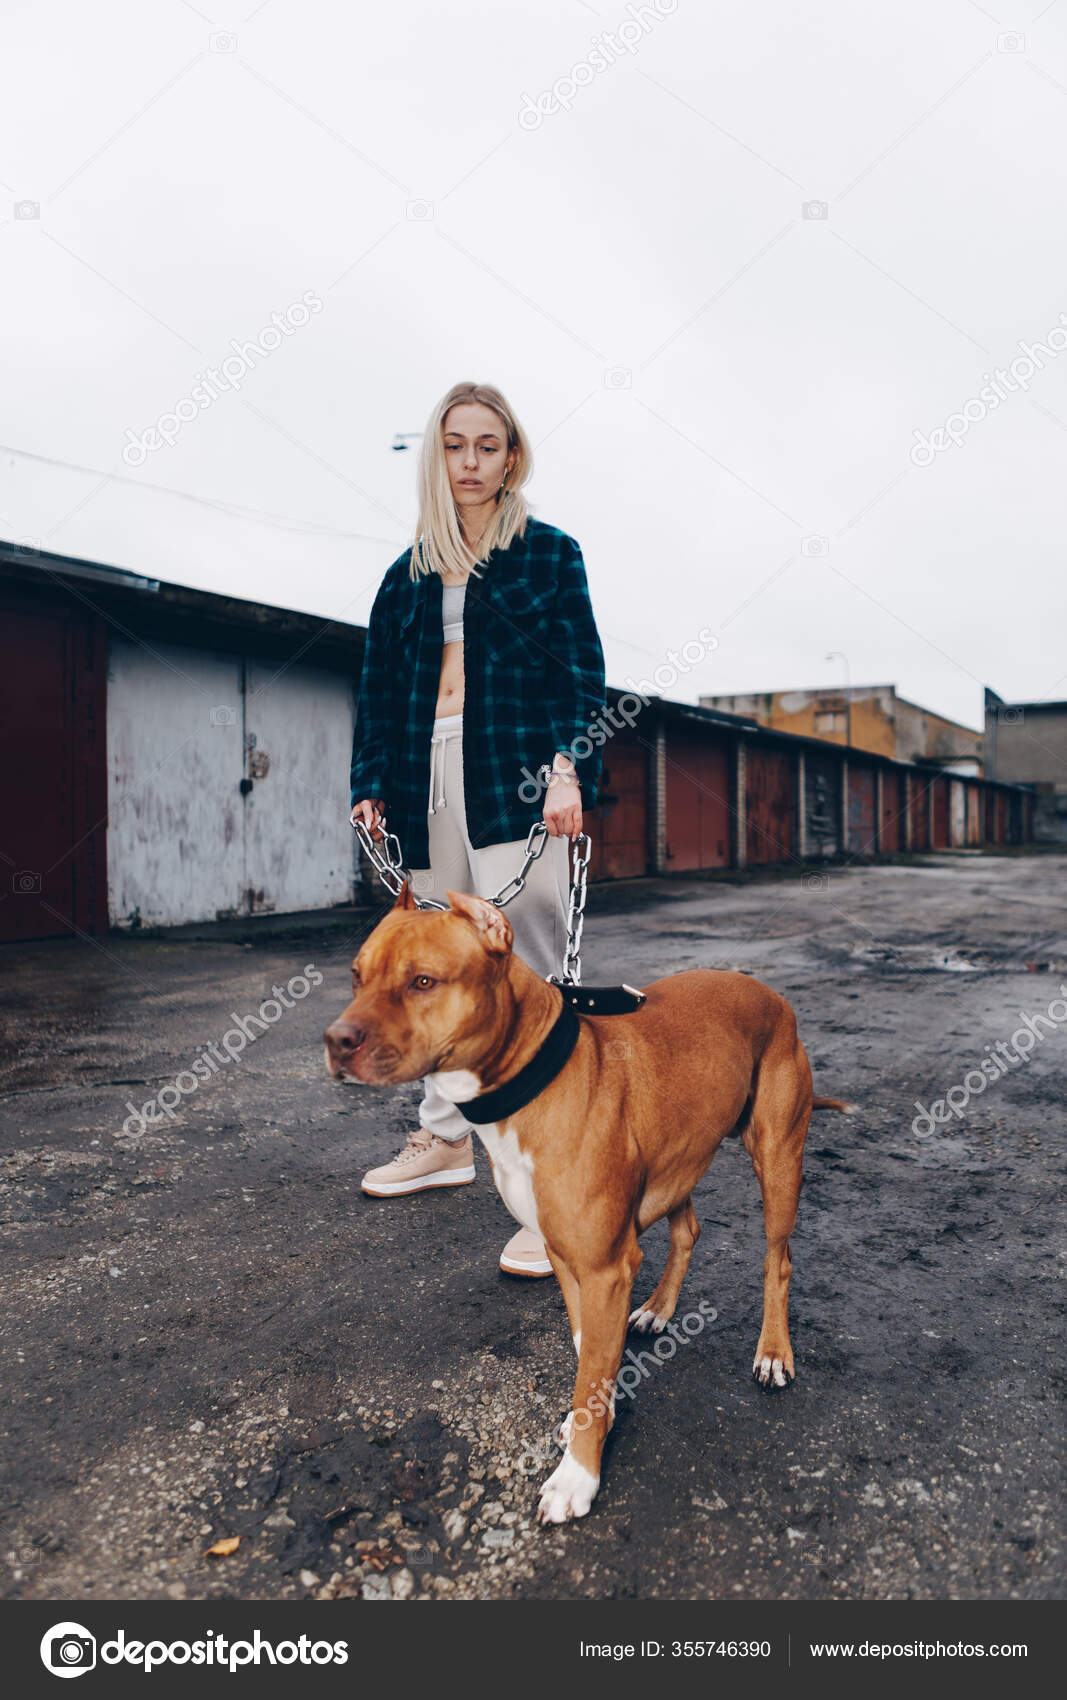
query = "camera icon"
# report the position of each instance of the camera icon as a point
(815, 210)
(223, 715)
(25, 882)
(223, 41)
(815, 546)
(618, 378)
(1011, 42)
(617, 1048)
(422, 882)
(27, 209)
(419, 211)
(68, 1649)
(815, 882)
(1010, 717)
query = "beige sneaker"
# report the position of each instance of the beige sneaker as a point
(425, 1161)
(524, 1254)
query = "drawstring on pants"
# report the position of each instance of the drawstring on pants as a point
(437, 767)
(447, 726)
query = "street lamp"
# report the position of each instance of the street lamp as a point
(837, 655)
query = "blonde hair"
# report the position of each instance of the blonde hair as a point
(439, 546)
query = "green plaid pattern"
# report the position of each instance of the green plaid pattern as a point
(534, 683)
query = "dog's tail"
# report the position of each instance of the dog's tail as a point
(834, 1104)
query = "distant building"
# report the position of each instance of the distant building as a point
(1026, 743)
(881, 721)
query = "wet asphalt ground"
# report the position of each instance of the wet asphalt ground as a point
(209, 1332)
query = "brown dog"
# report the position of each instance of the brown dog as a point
(617, 1140)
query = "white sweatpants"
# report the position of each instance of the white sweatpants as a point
(538, 915)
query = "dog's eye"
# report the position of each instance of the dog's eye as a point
(423, 982)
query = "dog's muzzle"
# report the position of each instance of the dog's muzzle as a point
(342, 1040)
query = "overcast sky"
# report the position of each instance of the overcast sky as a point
(726, 261)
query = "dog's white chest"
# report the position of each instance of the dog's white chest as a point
(512, 1172)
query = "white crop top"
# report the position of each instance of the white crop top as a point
(452, 596)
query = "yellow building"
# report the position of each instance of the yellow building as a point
(868, 717)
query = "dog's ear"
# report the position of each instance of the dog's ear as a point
(492, 924)
(405, 900)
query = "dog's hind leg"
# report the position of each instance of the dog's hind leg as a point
(658, 1310)
(774, 1140)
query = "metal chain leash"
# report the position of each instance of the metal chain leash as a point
(389, 863)
(572, 957)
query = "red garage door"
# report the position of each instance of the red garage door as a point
(940, 831)
(891, 826)
(53, 778)
(770, 813)
(861, 810)
(698, 797)
(919, 811)
(619, 823)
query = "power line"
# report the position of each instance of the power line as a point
(282, 521)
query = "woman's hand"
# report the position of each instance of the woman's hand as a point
(371, 811)
(562, 812)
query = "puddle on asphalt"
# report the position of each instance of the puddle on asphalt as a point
(944, 959)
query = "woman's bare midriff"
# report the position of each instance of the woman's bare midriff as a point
(450, 684)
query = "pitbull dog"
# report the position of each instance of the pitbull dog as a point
(615, 1140)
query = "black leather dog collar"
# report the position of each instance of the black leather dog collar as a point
(523, 1088)
(546, 1063)
(600, 1000)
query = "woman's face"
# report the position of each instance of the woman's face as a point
(476, 453)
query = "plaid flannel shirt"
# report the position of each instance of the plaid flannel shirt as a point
(533, 684)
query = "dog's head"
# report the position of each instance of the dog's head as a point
(425, 991)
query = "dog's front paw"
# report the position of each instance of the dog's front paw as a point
(568, 1492)
(644, 1319)
(772, 1372)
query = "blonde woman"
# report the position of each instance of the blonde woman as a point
(482, 664)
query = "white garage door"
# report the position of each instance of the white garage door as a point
(187, 840)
